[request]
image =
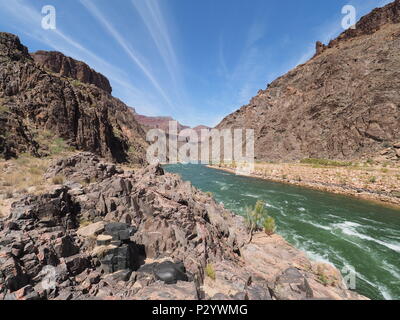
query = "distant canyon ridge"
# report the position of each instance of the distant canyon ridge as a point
(344, 103)
(163, 123)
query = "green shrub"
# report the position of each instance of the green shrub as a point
(210, 272)
(59, 145)
(326, 162)
(323, 279)
(118, 133)
(258, 217)
(254, 217)
(84, 223)
(372, 179)
(269, 225)
(76, 83)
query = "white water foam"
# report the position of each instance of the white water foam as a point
(382, 289)
(317, 257)
(251, 195)
(317, 225)
(350, 228)
(391, 269)
(223, 185)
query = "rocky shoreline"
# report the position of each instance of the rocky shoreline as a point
(106, 233)
(328, 180)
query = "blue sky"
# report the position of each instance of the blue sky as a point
(195, 60)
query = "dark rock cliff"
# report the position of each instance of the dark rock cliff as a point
(342, 104)
(32, 99)
(67, 67)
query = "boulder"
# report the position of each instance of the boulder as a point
(292, 285)
(77, 263)
(119, 231)
(170, 272)
(167, 271)
(65, 247)
(91, 230)
(115, 258)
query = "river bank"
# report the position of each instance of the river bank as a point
(378, 184)
(345, 231)
(117, 234)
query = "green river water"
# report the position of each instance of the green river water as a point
(337, 229)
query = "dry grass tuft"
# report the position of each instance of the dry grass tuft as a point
(59, 180)
(22, 175)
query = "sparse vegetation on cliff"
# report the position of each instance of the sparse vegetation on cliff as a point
(210, 272)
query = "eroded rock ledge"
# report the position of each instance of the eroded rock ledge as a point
(67, 67)
(113, 234)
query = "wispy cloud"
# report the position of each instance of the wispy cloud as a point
(242, 79)
(251, 69)
(25, 17)
(128, 49)
(156, 24)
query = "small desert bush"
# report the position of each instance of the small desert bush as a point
(59, 146)
(254, 216)
(370, 161)
(84, 222)
(257, 217)
(372, 179)
(118, 133)
(51, 143)
(323, 278)
(269, 225)
(58, 180)
(210, 272)
(76, 83)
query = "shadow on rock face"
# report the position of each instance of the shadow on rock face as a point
(123, 253)
(167, 271)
